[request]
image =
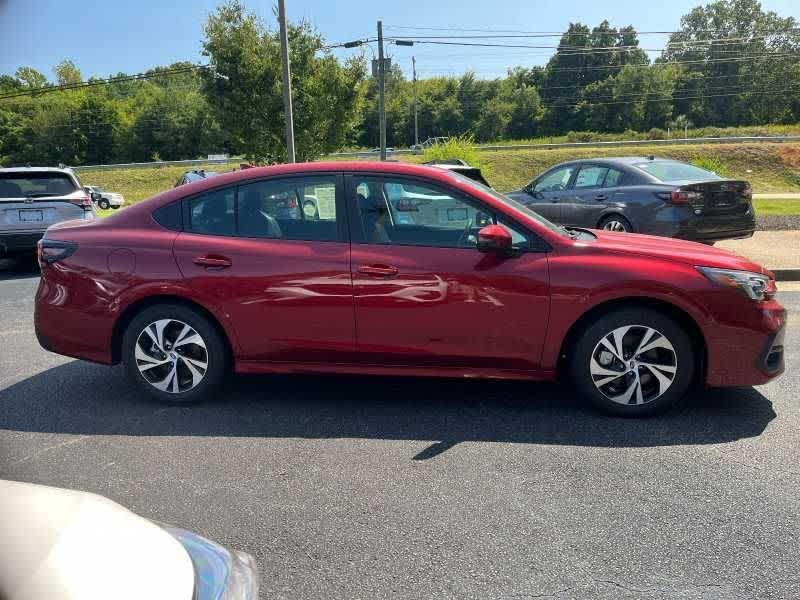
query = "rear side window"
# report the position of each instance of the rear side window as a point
(169, 216)
(213, 213)
(590, 177)
(613, 178)
(294, 208)
(35, 185)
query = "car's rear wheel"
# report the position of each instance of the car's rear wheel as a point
(633, 362)
(615, 223)
(103, 203)
(175, 354)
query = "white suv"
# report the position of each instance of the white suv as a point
(32, 199)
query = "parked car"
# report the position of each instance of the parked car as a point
(378, 149)
(643, 195)
(104, 199)
(431, 141)
(198, 281)
(462, 167)
(194, 175)
(60, 544)
(32, 199)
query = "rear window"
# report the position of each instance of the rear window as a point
(672, 170)
(35, 185)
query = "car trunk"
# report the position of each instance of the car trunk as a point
(721, 206)
(36, 214)
(720, 198)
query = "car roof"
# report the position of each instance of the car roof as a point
(68, 171)
(140, 212)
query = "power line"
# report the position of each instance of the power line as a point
(546, 34)
(105, 81)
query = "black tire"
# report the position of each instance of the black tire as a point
(103, 203)
(588, 344)
(115, 207)
(217, 355)
(617, 221)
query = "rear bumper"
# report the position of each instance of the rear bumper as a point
(19, 241)
(749, 352)
(716, 235)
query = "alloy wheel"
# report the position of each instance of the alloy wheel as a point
(634, 364)
(171, 356)
(614, 225)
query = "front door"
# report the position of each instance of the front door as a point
(274, 255)
(548, 193)
(424, 294)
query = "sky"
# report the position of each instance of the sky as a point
(104, 37)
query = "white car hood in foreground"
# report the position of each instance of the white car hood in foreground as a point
(61, 544)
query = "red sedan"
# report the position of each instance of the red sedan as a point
(397, 269)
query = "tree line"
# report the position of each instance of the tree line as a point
(730, 64)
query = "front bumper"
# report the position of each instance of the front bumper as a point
(748, 349)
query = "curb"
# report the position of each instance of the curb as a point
(786, 274)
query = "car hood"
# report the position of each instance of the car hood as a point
(67, 544)
(674, 250)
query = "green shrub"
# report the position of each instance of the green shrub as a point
(582, 136)
(656, 134)
(456, 147)
(713, 164)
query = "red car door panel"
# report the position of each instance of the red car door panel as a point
(288, 300)
(451, 307)
(425, 295)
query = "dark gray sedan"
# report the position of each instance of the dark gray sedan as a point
(643, 195)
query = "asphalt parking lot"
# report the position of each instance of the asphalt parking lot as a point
(346, 487)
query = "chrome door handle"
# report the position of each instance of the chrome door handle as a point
(378, 270)
(213, 261)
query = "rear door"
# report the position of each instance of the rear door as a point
(283, 277)
(595, 188)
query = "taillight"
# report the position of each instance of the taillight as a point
(50, 251)
(85, 202)
(684, 196)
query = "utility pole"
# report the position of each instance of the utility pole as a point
(416, 124)
(287, 83)
(381, 92)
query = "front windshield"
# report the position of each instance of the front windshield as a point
(672, 170)
(512, 203)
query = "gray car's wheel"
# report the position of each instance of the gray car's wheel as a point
(633, 362)
(103, 203)
(175, 354)
(615, 223)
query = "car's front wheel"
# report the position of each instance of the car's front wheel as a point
(633, 362)
(103, 203)
(175, 354)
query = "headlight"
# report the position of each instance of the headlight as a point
(754, 285)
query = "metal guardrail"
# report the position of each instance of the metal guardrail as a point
(365, 154)
(159, 163)
(695, 140)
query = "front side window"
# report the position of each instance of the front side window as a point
(213, 213)
(295, 208)
(402, 212)
(555, 180)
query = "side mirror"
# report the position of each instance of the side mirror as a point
(494, 238)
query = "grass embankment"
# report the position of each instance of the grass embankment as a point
(788, 206)
(769, 167)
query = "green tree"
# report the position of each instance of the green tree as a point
(67, 73)
(244, 86)
(30, 78)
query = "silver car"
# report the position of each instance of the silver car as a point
(103, 198)
(32, 199)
